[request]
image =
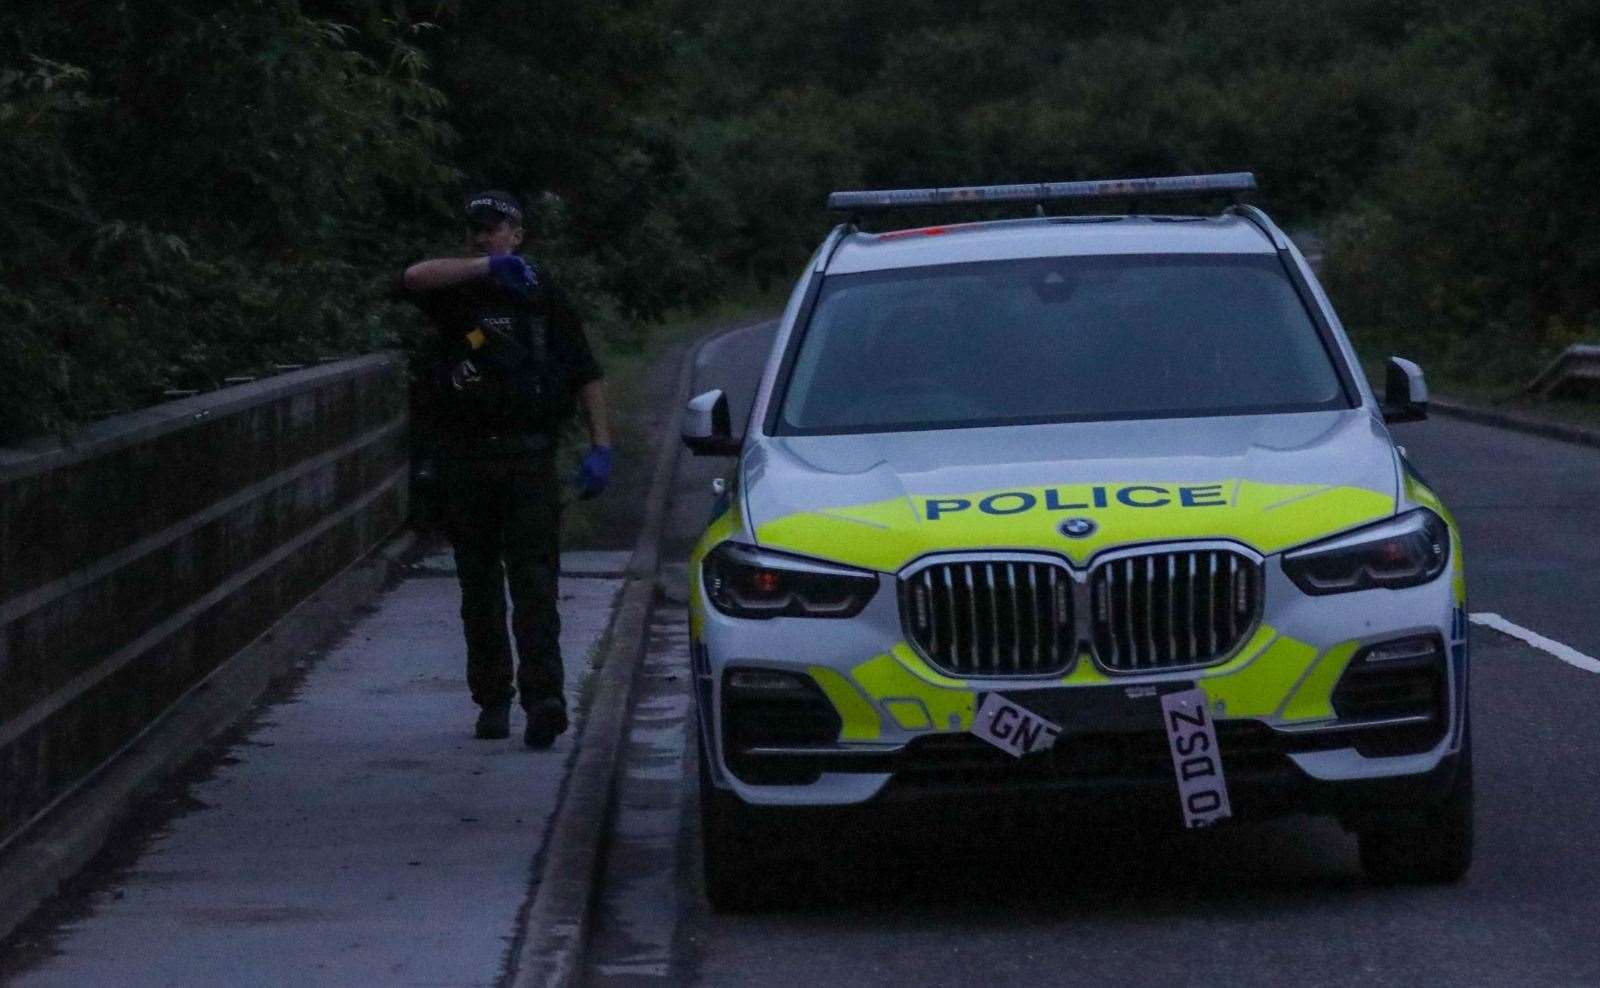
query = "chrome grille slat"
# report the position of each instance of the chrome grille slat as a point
(1133, 647)
(1050, 613)
(1172, 586)
(1211, 601)
(1033, 598)
(1194, 645)
(950, 591)
(1232, 560)
(972, 606)
(1150, 607)
(994, 617)
(1104, 597)
(1016, 618)
(1148, 611)
(1157, 617)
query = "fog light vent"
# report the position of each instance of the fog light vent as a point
(1388, 681)
(769, 708)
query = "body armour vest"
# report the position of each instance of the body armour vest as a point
(499, 377)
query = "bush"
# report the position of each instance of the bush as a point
(195, 189)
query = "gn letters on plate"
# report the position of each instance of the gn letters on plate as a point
(1013, 728)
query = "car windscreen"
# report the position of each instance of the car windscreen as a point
(1056, 339)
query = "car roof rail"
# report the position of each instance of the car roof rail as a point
(1037, 193)
(1261, 221)
(830, 246)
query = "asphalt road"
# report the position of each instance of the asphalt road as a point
(1281, 902)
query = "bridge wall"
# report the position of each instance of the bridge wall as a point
(136, 560)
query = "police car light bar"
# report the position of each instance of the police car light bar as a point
(978, 195)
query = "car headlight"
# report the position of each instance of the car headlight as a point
(1401, 552)
(743, 581)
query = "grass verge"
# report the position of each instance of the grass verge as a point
(641, 378)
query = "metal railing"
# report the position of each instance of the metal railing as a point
(1574, 373)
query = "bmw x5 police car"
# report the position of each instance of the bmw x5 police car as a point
(1093, 506)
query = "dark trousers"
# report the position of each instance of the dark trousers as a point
(503, 517)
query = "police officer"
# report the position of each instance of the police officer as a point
(511, 362)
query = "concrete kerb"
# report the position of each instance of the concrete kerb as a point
(1517, 423)
(69, 833)
(556, 925)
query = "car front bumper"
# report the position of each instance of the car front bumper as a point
(880, 724)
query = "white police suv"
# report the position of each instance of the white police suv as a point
(1094, 507)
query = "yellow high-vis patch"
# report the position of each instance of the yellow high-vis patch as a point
(913, 660)
(720, 530)
(885, 678)
(1314, 699)
(861, 721)
(1268, 517)
(1421, 494)
(1085, 673)
(1261, 687)
(912, 715)
(1263, 637)
(1272, 675)
(476, 339)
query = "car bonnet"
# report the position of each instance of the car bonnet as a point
(883, 500)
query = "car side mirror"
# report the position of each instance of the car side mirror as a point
(705, 426)
(1405, 392)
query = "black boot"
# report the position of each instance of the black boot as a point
(494, 721)
(547, 719)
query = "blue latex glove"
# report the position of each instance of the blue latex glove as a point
(513, 274)
(595, 473)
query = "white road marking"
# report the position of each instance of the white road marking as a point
(1566, 653)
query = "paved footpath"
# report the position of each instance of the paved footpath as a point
(358, 834)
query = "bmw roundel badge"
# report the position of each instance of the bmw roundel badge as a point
(1078, 528)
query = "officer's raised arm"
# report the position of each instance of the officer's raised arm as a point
(442, 272)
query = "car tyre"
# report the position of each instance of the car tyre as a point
(728, 834)
(1435, 849)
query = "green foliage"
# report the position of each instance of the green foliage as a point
(202, 187)
(201, 190)
(1446, 148)
(939, 93)
(1476, 246)
(40, 101)
(578, 100)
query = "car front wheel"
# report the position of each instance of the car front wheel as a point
(1435, 848)
(728, 836)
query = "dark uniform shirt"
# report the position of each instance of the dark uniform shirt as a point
(504, 366)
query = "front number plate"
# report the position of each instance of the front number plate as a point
(1012, 728)
(1196, 758)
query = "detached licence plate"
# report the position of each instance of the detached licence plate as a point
(1185, 715)
(1013, 728)
(1196, 758)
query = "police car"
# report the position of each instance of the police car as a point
(1099, 509)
